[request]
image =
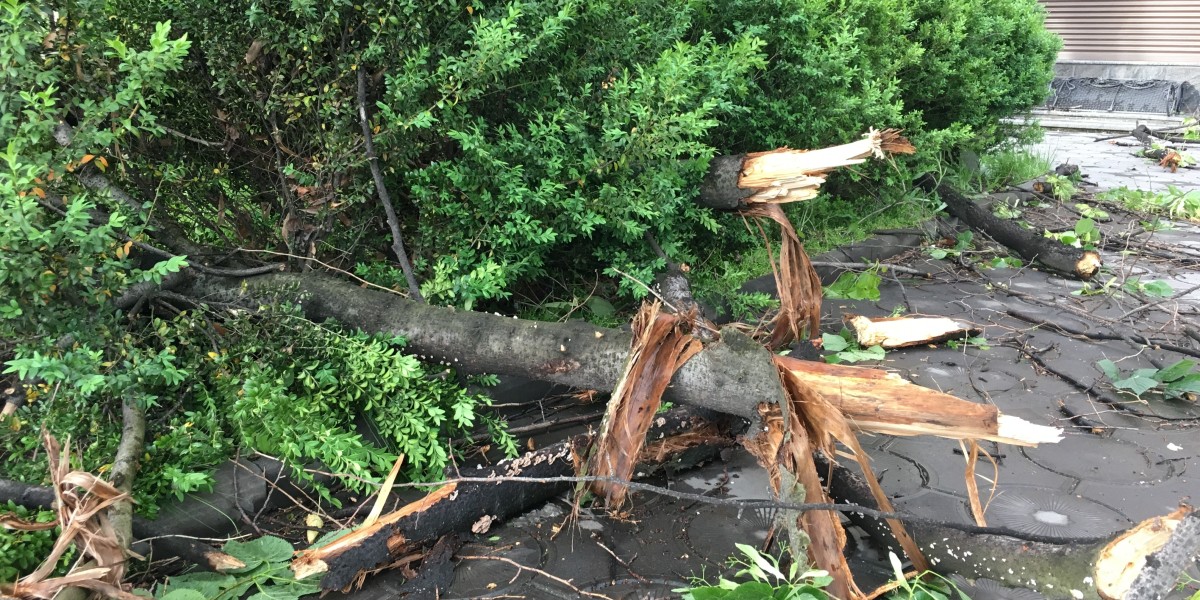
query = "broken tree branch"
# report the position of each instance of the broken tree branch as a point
(732, 375)
(1030, 245)
(786, 175)
(458, 506)
(381, 188)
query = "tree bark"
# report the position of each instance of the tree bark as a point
(733, 375)
(1030, 245)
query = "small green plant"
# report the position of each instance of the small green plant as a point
(962, 244)
(1008, 210)
(267, 572)
(23, 551)
(1085, 235)
(926, 586)
(1063, 188)
(1192, 130)
(1004, 262)
(845, 349)
(1156, 288)
(976, 341)
(1175, 381)
(1091, 212)
(768, 580)
(1175, 203)
(863, 285)
(1189, 583)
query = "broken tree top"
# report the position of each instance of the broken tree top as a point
(787, 175)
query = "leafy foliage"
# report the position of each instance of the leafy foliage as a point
(862, 285)
(540, 140)
(267, 573)
(769, 579)
(22, 551)
(1178, 380)
(1174, 203)
(845, 349)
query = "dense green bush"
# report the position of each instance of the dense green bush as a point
(270, 382)
(526, 142)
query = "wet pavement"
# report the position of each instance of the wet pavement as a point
(1123, 459)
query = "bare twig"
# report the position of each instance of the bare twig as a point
(380, 187)
(539, 572)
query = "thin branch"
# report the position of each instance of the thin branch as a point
(864, 266)
(180, 134)
(380, 187)
(522, 567)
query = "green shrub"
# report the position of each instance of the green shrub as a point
(67, 260)
(21, 552)
(529, 141)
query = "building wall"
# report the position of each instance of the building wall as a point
(1153, 32)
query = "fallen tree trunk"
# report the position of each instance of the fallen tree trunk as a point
(476, 504)
(1030, 245)
(732, 375)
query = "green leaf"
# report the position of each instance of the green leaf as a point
(1109, 368)
(1158, 289)
(1136, 384)
(600, 307)
(264, 549)
(208, 585)
(1175, 371)
(751, 590)
(185, 594)
(833, 343)
(1188, 384)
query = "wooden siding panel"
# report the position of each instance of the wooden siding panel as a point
(1127, 30)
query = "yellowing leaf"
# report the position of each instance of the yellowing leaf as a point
(314, 522)
(39, 192)
(87, 158)
(102, 163)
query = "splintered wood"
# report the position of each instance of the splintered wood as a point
(799, 287)
(786, 175)
(881, 402)
(661, 344)
(901, 332)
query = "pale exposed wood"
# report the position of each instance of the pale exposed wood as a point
(881, 402)
(901, 332)
(787, 175)
(1122, 560)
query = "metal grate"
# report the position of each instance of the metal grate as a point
(1153, 96)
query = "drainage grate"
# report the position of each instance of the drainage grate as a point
(1152, 96)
